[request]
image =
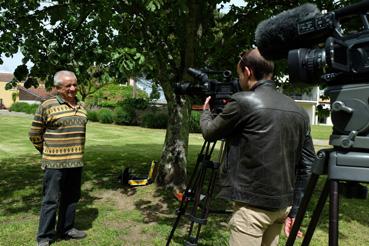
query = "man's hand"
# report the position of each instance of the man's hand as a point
(206, 103)
(288, 224)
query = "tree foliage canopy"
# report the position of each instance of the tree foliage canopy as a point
(108, 40)
(126, 38)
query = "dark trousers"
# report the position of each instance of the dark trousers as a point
(61, 192)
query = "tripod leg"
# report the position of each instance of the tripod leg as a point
(302, 210)
(316, 214)
(190, 189)
(208, 197)
(187, 196)
(199, 213)
(181, 211)
(196, 202)
(333, 213)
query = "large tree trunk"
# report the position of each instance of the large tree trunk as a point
(173, 161)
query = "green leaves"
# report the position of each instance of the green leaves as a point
(10, 86)
(128, 60)
(154, 5)
(31, 82)
(21, 72)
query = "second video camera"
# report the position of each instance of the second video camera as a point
(203, 86)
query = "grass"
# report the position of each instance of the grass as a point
(321, 132)
(115, 215)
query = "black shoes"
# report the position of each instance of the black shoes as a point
(74, 234)
(43, 243)
(71, 234)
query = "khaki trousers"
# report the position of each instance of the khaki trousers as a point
(252, 226)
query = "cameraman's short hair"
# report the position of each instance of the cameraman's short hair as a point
(260, 66)
(58, 75)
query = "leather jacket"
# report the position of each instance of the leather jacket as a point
(268, 148)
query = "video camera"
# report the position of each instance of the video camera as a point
(320, 49)
(330, 49)
(220, 91)
(338, 56)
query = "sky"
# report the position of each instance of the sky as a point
(10, 63)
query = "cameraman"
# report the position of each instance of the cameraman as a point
(268, 154)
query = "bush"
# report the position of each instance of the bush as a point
(24, 107)
(126, 111)
(105, 116)
(195, 122)
(111, 95)
(122, 116)
(18, 107)
(32, 108)
(92, 115)
(155, 120)
(135, 103)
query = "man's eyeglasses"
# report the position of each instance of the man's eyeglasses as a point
(242, 59)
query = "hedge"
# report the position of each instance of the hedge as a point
(105, 116)
(24, 107)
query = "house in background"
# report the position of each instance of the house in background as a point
(20, 93)
(34, 95)
(6, 96)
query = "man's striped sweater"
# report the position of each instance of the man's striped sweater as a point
(58, 131)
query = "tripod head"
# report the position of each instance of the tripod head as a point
(350, 116)
(348, 160)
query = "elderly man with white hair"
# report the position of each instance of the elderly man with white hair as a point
(58, 132)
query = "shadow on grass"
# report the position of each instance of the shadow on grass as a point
(105, 163)
(21, 179)
(20, 184)
(164, 213)
(21, 189)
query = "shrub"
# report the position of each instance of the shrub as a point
(112, 94)
(135, 103)
(24, 107)
(92, 115)
(155, 120)
(195, 122)
(32, 108)
(126, 111)
(105, 116)
(18, 107)
(122, 116)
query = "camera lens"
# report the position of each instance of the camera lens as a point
(306, 65)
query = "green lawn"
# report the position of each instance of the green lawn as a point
(114, 215)
(321, 131)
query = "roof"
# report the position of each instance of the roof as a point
(39, 92)
(6, 77)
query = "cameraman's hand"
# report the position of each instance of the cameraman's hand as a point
(288, 224)
(206, 103)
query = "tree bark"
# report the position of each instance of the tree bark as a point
(173, 161)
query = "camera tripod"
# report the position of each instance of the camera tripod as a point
(333, 163)
(194, 194)
(348, 160)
